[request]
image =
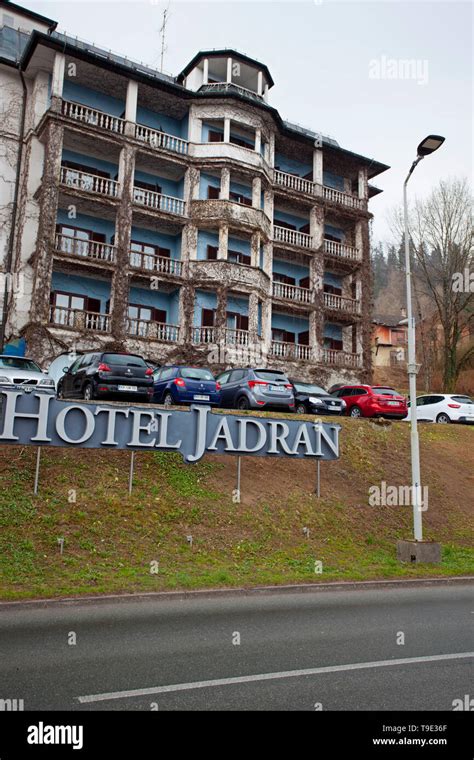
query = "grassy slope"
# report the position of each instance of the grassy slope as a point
(111, 538)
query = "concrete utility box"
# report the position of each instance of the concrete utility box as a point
(418, 551)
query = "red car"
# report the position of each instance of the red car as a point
(372, 401)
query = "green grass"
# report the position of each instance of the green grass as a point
(111, 538)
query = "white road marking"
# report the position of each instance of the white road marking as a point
(270, 676)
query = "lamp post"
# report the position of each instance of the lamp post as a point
(427, 146)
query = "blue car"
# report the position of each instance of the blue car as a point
(185, 385)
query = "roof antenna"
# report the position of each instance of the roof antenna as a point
(163, 34)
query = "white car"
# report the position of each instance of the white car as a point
(443, 407)
(20, 372)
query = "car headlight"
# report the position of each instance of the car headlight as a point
(47, 381)
(314, 400)
(4, 379)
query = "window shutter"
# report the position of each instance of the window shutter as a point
(304, 282)
(212, 252)
(159, 315)
(303, 338)
(207, 318)
(93, 304)
(213, 192)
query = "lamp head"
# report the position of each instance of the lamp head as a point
(429, 145)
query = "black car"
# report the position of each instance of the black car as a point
(311, 399)
(100, 374)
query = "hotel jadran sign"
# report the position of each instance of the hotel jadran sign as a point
(39, 419)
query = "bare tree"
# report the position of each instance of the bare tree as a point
(441, 245)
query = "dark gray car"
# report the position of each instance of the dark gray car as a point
(256, 389)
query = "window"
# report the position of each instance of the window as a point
(286, 279)
(239, 198)
(196, 373)
(237, 321)
(168, 373)
(75, 366)
(124, 360)
(17, 362)
(213, 192)
(82, 176)
(224, 378)
(76, 239)
(332, 289)
(237, 375)
(141, 189)
(214, 136)
(140, 316)
(207, 317)
(211, 252)
(359, 392)
(238, 258)
(283, 336)
(143, 255)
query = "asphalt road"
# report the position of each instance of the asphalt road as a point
(151, 653)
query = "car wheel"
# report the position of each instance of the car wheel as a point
(443, 418)
(243, 403)
(301, 409)
(87, 393)
(356, 411)
(168, 399)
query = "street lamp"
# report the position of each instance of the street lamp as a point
(427, 146)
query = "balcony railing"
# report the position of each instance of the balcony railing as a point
(85, 249)
(162, 140)
(292, 292)
(203, 335)
(337, 196)
(150, 262)
(292, 351)
(341, 250)
(159, 202)
(93, 117)
(90, 183)
(293, 182)
(237, 337)
(341, 303)
(292, 237)
(341, 358)
(230, 87)
(144, 328)
(78, 319)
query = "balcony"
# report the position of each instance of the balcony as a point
(159, 202)
(203, 335)
(293, 182)
(90, 183)
(85, 249)
(161, 140)
(341, 303)
(149, 262)
(292, 237)
(91, 116)
(341, 358)
(292, 293)
(238, 215)
(342, 251)
(76, 319)
(143, 328)
(236, 337)
(290, 351)
(344, 199)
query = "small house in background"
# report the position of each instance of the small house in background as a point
(389, 340)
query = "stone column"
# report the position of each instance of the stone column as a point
(227, 129)
(205, 71)
(271, 149)
(318, 166)
(57, 82)
(268, 206)
(316, 319)
(123, 223)
(189, 240)
(268, 259)
(48, 209)
(223, 242)
(258, 140)
(259, 83)
(257, 192)
(316, 226)
(221, 316)
(363, 186)
(191, 187)
(267, 325)
(229, 70)
(225, 185)
(255, 249)
(265, 93)
(131, 107)
(253, 318)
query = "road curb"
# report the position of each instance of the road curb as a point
(303, 588)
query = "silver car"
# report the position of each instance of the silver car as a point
(19, 372)
(256, 389)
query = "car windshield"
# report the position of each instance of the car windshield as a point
(196, 373)
(124, 360)
(307, 388)
(463, 400)
(16, 362)
(271, 376)
(385, 392)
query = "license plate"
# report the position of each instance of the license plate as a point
(201, 398)
(470, 418)
(394, 403)
(127, 388)
(275, 389)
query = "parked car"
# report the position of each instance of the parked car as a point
(372, 401)
(246, 388)
(100, 374)
(443, 408)
(20, 371)
(185, 385)
(310, 399)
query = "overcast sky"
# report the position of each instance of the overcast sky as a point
(336, 66)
